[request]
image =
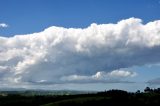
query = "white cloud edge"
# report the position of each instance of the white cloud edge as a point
(101, 76)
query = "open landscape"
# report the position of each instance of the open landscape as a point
(78, 98)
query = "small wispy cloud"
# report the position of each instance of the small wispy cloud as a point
(115, 76)
(155, 81)
(3, 25)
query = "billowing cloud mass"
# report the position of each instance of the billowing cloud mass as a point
(3, 25)
(96, 53)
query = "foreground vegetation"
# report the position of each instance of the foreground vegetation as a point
(107, 98)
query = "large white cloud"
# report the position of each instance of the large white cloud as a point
(57, 52)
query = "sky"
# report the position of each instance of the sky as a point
(80, 44)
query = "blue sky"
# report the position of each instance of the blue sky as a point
(30, 16)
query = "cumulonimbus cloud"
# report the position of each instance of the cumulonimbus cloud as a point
(57, 52)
